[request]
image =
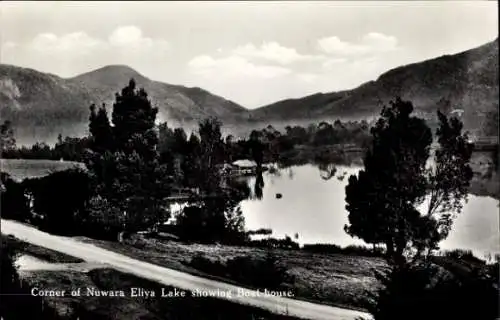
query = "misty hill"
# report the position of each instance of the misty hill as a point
(467, 80)
(42, 105)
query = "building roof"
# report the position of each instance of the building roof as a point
(245, 163)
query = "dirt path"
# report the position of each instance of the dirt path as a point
(93, 254)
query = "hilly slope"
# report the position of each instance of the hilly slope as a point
(467, 80)
(42, 105)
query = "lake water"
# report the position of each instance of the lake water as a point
(315, 209)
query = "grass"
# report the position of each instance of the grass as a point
(20, 169)
(332, 279)
(39, 252)
(85, 307)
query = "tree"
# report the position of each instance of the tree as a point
(125, 164)
(134, 123)
(100, 130)
(212, 153)
(7, 140)
(61, 207)
(190, 165)
(383, 200)
(216, 216)
(13, 202)
(257, 148)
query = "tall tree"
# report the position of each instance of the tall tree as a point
(212, 153)
(100, 130)
(129, 171)
(134, 122)
(257, 148)
(383, 200)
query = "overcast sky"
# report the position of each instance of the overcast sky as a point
(253, 53)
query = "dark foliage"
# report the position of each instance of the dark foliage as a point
(349, 250)
(60, 199)
(426, 291)
(134, 123)
(16, 299)
(130, 184)
(13, 202)
(382, 200)
(263, 273)
(266, 273)
(68, 148)
(286, 243)
(101, 134)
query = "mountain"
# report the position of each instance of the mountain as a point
(42, 105)
(467, 81)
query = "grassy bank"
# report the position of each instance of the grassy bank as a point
(332, 279)
(37, 251)
(87, 307)
(30, 168)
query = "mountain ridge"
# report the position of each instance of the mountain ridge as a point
(467, 80)
(42, 105)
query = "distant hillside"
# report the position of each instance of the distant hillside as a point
(43, 105)
(467, 80)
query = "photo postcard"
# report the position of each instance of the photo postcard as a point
(214, 160)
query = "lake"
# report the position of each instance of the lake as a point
(315, 209)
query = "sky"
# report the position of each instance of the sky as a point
(253, 53)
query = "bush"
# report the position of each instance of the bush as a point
(13, 202)
(101, 220)
(267, 272)
(349, 250)
(212, 222)
(429, 292)
(214, 268)
(60, 198)
(464, 255)
(287, 243)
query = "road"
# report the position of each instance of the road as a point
(181, 280)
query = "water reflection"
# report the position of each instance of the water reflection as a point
(315, 209)
(258, 186)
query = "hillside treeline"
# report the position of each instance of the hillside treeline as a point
(294, 145)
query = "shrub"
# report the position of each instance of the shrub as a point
(13, 202)
(429, 292)
(286, 243)
(213, 222)
(349, 250)
(464, 255)
(60, 198)
(215, 268)
(101, 220)
(267, 273)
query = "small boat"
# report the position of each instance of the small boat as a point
(279, 196)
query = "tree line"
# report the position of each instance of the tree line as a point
(175, 145)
